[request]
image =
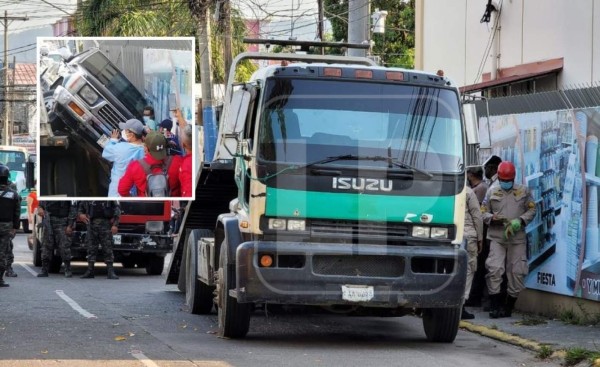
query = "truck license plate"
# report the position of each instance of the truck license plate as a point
(117, 239)
(357, 293)
(103, 140)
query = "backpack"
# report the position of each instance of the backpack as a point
(157, 184)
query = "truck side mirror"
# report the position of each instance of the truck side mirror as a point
(471, 123)
(233, 124)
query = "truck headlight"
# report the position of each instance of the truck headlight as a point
(296, 225)
(276, 223)
(88, 95)
(422, 232)
(439, 232)
(154, 226)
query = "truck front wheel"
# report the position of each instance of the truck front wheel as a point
(199, 297)
(441, 324)
(155, 265)
(234, 317)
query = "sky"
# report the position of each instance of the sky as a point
(301, 15)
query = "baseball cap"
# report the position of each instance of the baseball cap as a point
(494, 160)
(156, 144)
(166, 124)
(134, 125)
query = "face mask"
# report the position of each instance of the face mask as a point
(506, 185)
(124, 135)
(146, 119)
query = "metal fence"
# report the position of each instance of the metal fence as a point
(582, 96)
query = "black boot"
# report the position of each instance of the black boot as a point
(44, 272)
(10, 272)
(495, 310)
(110, 271)
(510, 305)
(89, 273)
(466, 315)
(68, 273)
(2, 283)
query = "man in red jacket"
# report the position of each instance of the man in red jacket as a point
(155, 149)
(185, 172)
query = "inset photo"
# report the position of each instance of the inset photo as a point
(119, 118)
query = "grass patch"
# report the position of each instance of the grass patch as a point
(583, 317)
(576, 355)
(531, 321)
(544, 352)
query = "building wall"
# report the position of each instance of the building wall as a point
(453, 39)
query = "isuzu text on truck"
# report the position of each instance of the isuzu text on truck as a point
(334, 183)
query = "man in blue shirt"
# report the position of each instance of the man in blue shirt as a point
(120, 153)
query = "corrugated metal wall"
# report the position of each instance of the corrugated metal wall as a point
(128, 55)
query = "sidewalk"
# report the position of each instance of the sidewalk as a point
(533, 332)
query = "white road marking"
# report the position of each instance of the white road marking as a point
(142, 358)
(29, 269)
(75, 306)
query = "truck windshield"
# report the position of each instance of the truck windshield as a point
(99, 66)
(306, 120)
(14, 160)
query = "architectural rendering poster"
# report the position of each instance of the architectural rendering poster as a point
(556, 155)
(169, 82)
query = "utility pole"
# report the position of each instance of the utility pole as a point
(320, 32)
(358, 25)
(208, 115)
(6, 20)
(227, 38)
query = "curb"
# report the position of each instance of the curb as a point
(501, 336)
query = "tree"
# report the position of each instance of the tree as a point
(396, 46)
(149, 18)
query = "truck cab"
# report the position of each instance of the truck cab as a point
(340, 184)
(22, 174)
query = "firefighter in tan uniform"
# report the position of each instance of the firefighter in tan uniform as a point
(474, 240)
(507, 209)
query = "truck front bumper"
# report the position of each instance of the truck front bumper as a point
(331, 274)
(132, 242)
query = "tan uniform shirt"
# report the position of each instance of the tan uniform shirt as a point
(516, 203)
(473, 217)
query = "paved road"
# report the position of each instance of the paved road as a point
(139, 321)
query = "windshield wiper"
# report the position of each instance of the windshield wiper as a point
(352, 157)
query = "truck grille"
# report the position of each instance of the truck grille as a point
(110, 116)
(359, 266)
(385, 232)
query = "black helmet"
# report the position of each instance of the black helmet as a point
(4, 174)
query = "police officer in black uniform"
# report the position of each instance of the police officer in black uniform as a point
(58, 217)
(102, 219)
(10, 202)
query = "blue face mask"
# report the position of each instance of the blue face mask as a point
(146, 119)
(506, 185)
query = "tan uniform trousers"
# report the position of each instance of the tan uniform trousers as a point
(510, 258)
(471, 264)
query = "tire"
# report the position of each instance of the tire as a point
(234, 317)
(181, 279)
(25, 225)
(199, 297)
(155, 265)
(37, 253)
(441, 324)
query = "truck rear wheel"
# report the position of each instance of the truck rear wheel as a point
(199, 297)
(234, 317)
(441, 324)
(155, 265)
